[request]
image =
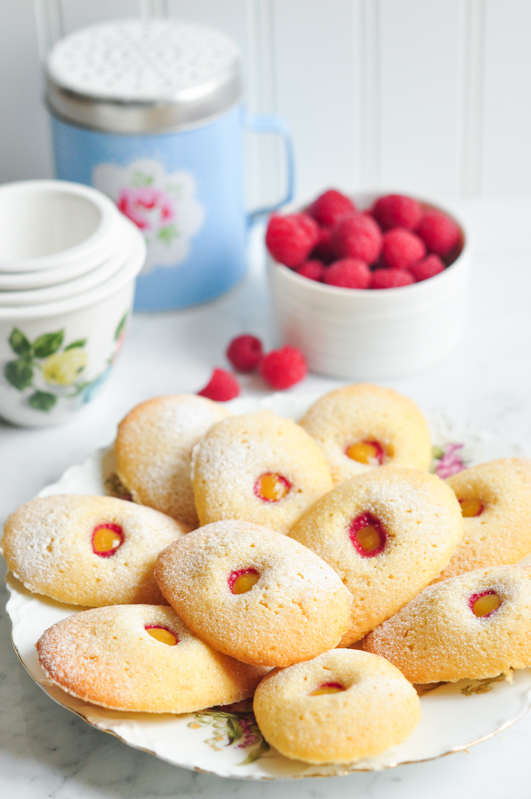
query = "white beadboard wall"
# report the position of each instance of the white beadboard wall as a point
(427, 96)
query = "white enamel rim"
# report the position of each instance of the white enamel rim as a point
(25, 281)
(129, 270)
(91, 251)
(170, 739)
(79, 285)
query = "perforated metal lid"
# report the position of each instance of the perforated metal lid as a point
(137, 76)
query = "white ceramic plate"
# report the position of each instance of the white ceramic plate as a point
(226, 741)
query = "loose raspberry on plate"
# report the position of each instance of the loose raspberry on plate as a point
(291, 238)
(396, 210)
(313, 270)
(284, 367)
(401, 249)
(244, 352)
(323, 250)
(391, 278)
(429, 267)
(221, 387)
(330, 207)
(350, 273)
(439, 233)
(357, 237)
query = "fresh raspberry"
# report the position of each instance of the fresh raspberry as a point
(395, 210)
(357, 237)
(350, 273)
(429, 267)
(284, 367)
(391, 278)
(244, 352)
(323, 250)
(330, 207)
(290, 239)
(439, 233)
(313, 270)
(221, 387)
(401, 249)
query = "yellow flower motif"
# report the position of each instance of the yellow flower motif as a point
(63, 368)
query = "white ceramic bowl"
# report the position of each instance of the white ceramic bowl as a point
(54, 356)
(48, 224)
(78, 285)
(25, 281)
(371, 334)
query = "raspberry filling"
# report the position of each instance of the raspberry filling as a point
(161, 634)
(471, 507)
(484, 604)
(271, 487)
(242, 581)
(367, 535)
(328, 688)
(368, 452)
(106, 539)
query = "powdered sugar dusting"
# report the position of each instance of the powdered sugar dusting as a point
(298, 607)
(154, 446)
(48, 546)
(227, 462)
(422, 522)
(437, 637)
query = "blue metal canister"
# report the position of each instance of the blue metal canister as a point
(150, 113)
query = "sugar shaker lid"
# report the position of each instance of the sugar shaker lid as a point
(142, 76)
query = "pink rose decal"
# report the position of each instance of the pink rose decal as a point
(162, 205)
(150, 209)
(450, 461)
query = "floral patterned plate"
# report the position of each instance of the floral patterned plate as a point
(226, 741)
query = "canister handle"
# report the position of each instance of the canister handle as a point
(271, 123)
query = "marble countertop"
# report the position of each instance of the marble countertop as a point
(45, 751)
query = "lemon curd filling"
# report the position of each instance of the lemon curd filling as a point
(242, 581)
(328, 688)
(471, 507)
(106, 539)
(272, 487)
(369, 453)
(483, 605)
(367, 535)
(161, 634)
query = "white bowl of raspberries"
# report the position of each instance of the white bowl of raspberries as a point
(368, 285)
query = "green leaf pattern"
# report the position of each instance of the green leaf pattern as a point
(168, 233)
(76, 344)
(56, 365)
(42, 401)
(20, 344)
(48, 344)
(19, 373)
(233, 726)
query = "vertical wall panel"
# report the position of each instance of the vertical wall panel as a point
(228, 16)
(507, 98)
(24, 134)
(471, 99)
(420, 79)
(240, 19)
(367, 100)
(316, 67)
(79, 13)
(419, 95)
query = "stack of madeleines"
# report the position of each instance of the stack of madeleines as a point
(256, 551)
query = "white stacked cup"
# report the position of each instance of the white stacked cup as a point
(68, 263)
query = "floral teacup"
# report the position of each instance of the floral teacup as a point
(55, 356)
